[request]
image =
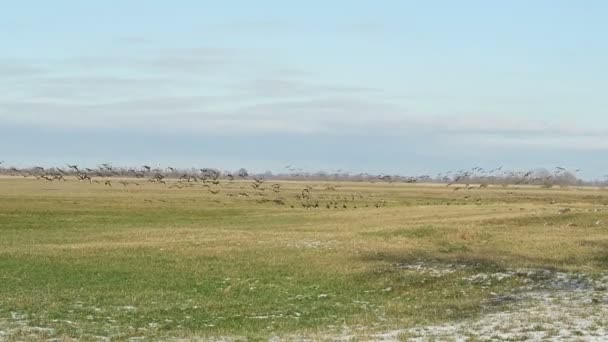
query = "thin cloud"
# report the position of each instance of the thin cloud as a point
(15, 69)
(278, 27)
(90, 88)
(258, 27)
(186, 60)
(260, 104)
(133, 40)
(294, 88)
(331, 116)
(587, 141)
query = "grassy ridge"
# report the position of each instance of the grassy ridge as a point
(87, 260)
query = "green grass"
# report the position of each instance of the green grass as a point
(89, 261)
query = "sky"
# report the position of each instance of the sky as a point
(405, 87)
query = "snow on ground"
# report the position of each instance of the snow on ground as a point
(561, 307)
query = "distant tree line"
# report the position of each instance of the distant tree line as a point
(477, 175)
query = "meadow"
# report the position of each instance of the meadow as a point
(91, 262)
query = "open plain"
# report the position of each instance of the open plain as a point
(359, 260)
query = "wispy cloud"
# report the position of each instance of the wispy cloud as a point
(176, 60)
(87, 89)
(258, 26)
(16, 69)
(188, 90)
(273, 88)
(279, 27)
(336, 116)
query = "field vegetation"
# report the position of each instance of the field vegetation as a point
(85, 261)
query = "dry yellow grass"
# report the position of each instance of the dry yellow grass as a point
(196, 264)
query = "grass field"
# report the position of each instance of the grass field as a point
(89, 262)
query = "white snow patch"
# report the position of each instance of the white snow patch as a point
(564, 307)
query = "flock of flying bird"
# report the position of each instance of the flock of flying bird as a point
(264, 190)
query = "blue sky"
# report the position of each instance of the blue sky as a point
(391, 86)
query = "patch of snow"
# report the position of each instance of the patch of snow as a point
(562, 307)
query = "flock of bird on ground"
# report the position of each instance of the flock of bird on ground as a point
(243, 185)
